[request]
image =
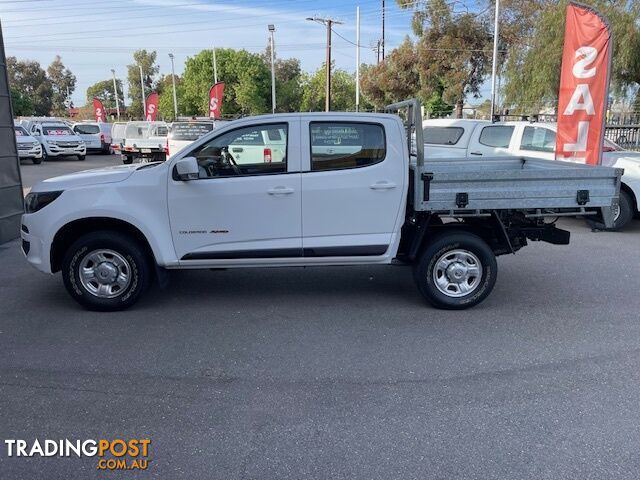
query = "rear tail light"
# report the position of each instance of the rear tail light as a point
(267, 155)
(166, 148)
(102, 137)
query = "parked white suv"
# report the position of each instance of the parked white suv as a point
(96, 135)
(449, 138)
(58, 140)
(28, 147)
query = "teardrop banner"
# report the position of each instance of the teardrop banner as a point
(584, 85)
(98, 110)
(216, 92)
(152, 107)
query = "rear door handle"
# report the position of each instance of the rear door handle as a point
(475, 153)
(382, 186)
(280, 191)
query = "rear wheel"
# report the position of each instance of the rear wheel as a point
(106, 271)
(457, 270)
(624, 213)
(127, 160)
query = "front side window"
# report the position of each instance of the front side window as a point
(538, 139)
(87, 129)
(498, 136)
(244, 151)
(338, 145)
(442, 135)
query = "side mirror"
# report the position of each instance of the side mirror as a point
(187, 169)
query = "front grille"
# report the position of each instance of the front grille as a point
(68, 144)
(26, 246)
(25, 146)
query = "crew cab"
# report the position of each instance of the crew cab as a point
(58, 140)
(110, 231)
(28, 147)
(453, 138)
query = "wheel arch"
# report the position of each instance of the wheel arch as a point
(71, 231)
(629, 191)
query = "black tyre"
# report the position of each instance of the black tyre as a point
(82, 157)
(457, 270)
(37, 161)
(106, 271)
(127, 160)
(624, 213)
(45, 155)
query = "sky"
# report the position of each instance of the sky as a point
(92, 37)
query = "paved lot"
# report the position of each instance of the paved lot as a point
(337, 372)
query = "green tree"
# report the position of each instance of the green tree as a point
(63, 83)
(165, 103)
(146, 60)
(288, 82)
(30, 80)
(246, 76)
(20, 103)
(533, 72)
(103, 91)
(343, 91)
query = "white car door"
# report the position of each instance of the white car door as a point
(351, 200)
(491, 141)
(238, 212)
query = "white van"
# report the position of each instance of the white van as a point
(96, 135)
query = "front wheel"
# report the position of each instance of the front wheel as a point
(82, 157)
(106, 271)
(456, 271)
(37, 160)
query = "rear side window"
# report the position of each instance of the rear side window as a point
(338, 145)
(87, 129)
(442, 135)
(498, 136)
(538, 139)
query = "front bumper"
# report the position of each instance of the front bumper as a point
(33, 247)
(35, 152)
(56, 151)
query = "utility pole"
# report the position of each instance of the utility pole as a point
(272, 29)
(377, 50)
(175, 98)
(383, 30)
(115, 91)
(328, 22)
(144, 100)
(494, 67)
(215, 66)
(357, 59)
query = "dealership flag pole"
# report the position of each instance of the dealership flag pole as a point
(494, 67)
(144, 102)
(215, 66)
(357, 59)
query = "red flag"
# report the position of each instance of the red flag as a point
(98, 110)
(584, 84)
(216, 92)
(152, 107)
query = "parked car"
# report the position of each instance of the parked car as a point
(58, 140)
(182, 134)
(110, 231)
(448, 138)
(28, 147)
(96, 135)
(145, 141)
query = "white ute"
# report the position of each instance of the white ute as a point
(58, 140)
(110, 231)
(453, 138)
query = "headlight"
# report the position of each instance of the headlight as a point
(38, 200)
(81, 143)
(52, 142)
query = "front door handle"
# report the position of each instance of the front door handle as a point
(382, 186)
(280, 191)
(475, 153)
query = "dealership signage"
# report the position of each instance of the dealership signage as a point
(216, 92)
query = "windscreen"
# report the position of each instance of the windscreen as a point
(56, 131)
(87, 129)
(189, 131)
(20, 132)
